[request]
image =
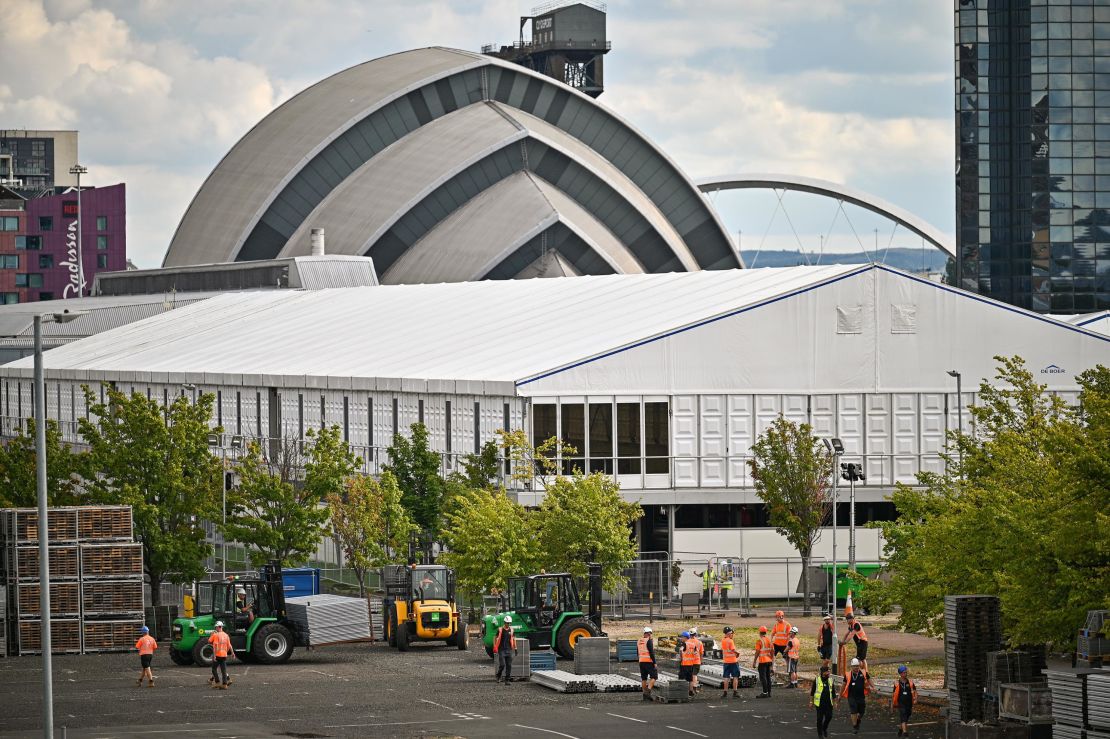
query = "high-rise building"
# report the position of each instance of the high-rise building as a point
(38, 241)
(37, 160)
(1033, 152)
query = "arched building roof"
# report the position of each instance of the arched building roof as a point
(445, 165)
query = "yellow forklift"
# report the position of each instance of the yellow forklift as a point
(420, 605)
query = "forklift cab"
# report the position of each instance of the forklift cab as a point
(540, 599)
(238, 603)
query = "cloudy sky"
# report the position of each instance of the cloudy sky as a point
(855, 91)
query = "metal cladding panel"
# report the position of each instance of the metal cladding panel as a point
(713, 440)
(293, 424)
(359, 420)
(849, 422)
(741, 420)
(879, 437)
(906, 433)
(823, 415)
(435, 419)
(684, 434)
(492, 418)
(932, 420)
(767, 409)
(795, 408)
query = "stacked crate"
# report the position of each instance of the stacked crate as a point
(96, 580)
(973, 629)
(111, 579)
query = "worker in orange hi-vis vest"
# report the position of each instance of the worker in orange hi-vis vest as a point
(764, 660)
(793, 654)
(146, 646)
(730, 656)
(780, 635)
(221, 648)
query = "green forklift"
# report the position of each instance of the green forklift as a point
(547, 611)
(253, 613)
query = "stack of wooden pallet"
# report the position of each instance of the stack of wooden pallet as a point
(96, 579)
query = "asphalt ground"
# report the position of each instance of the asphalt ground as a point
(373, 690)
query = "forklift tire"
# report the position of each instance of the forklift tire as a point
(391, 626)
(461, 637)
(272, 644)
(403, 637)
(203, 655)
(180, 658)
(573, 630)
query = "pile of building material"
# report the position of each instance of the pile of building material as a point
(1016, 668)
(1071, 701)
(377, 617)
(328, 619)
(1092, 648)
(591, 656)
(96, 580)
(522, 660)
(1098, 701)
(670, 689)
(564, 682)
(615, 684)
(713, 675)
(542, 660)
(628, 650)
(973, 629)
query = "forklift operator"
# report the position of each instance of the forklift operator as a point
(429, 587)
(244, 611)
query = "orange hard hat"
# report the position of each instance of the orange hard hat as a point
(779, 614)
(762, 629)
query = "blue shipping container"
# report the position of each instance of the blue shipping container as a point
(301, 581)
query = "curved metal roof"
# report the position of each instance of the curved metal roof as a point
(812, 185)
(381, 154)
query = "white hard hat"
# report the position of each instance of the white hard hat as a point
(793, 629)
(219, 624)
(508, 619)
(854, 662)
(647, 629)
(694, 630)
(241, 590)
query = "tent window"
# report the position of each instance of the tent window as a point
(574, 435)
(601, 437)
(628, 439)
(656, 439)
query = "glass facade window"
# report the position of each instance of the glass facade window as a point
(33, 279)
(102, 223)
(623, 438)
(46, 295)
(46, 261)
(46, 223)
(1032, 108)
(601, 438)
(9, 298)
(629, 449)
(9, 223)
(572, 416)
(102, 242)
(102, 261)
(9, 261)
(28, 242)
(657, 435)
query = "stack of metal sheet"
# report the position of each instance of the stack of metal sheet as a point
(327, 619)
(564, 682)
(671, 690)
(1098, 701)
(713, 674)
(591, 656)
(1069, 697)
(615, 683)
(973, 629)
(377, 618)
(522, 663)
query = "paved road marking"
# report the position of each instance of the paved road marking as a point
(629, 718)
(546, 731)
(688, 731)
(402, 723)
(448, 708)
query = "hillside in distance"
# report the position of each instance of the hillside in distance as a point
(911, 260)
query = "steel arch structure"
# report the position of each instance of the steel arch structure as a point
(845, 193)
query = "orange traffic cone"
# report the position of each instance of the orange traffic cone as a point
(848, 605)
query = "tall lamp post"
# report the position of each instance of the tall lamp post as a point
(959, 408)
(836, 448)
(79, 169)
(43, 527)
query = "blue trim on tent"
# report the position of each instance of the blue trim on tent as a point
(1103, 317)
(947, 288)
(995, 303)
(699, 324)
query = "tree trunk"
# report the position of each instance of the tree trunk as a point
(361, 575)
(155, 591)
(805, 583)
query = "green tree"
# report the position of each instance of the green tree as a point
(157, 460)
(65, 469)
(370, 524)
(329, 465)
(583, 519)
(271, 514)
(417, 470)
(489, 538)
(791, 472)
(1021, 512)
(479, 470)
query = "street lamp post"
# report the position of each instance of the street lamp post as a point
(836, 448)
(959, 409)
(43, 526)
(78, 169)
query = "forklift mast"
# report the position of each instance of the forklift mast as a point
(270, 574)
(595, 595)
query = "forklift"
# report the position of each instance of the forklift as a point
(420, 606)
(253, 613)
(547, 611)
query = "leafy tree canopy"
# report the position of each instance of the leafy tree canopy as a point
(65, 469)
